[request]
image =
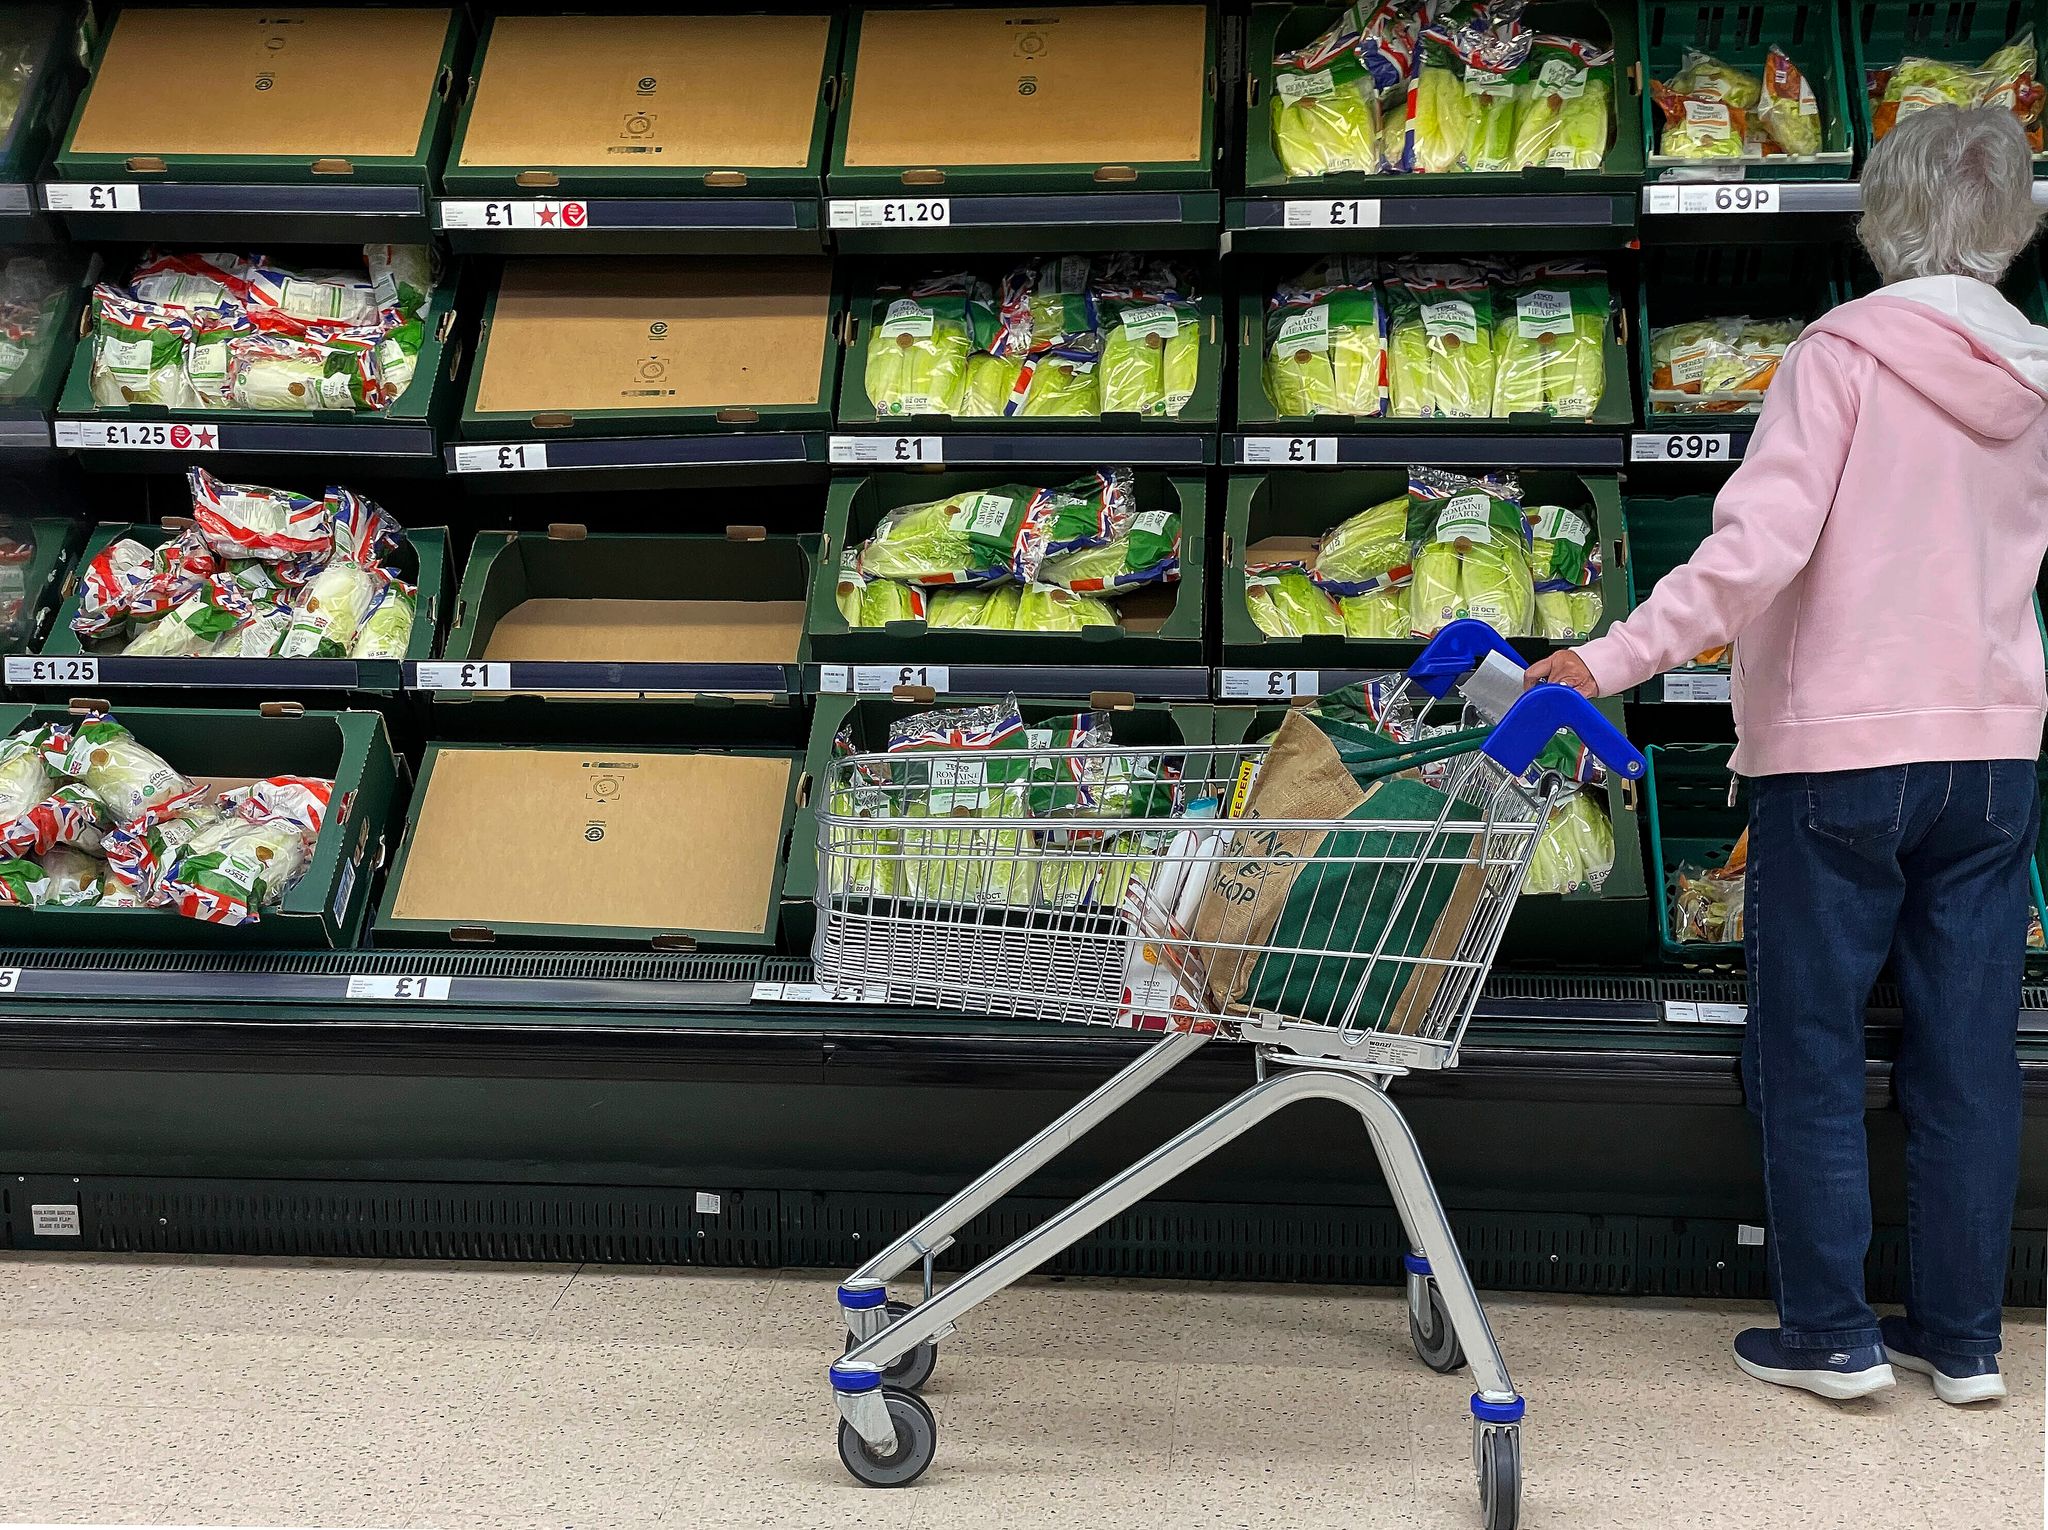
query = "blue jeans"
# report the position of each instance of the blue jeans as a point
(1928, 864)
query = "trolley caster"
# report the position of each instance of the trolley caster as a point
(917, 1441)
(1429, 1326)
(1497, 1454)
(914, 1369)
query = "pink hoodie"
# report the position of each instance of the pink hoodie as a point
(1874, 556)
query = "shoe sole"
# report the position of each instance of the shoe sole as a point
(1833, 1385)
(1959, 1391)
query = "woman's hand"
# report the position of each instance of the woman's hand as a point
(1565, 668)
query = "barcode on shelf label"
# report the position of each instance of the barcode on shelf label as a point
(364, 986)
(564, 217)
(1724, 1014)
(908, 451)
(1338, 212)
(1704, 686)
(512, 457)
(1720, 199)
(53, 1221)
(120, 435)
(67, 196)
(820, 993)
(891, 212)
(1289, 451)
(446, 676)
(1681, 446)
(1271, 684)
(74, 669)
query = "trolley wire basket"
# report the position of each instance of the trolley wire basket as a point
(1335, 896)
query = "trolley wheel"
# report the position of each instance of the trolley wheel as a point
(917, 1441)
(1500, 1477)
(1436, 1342)
(914, 1369)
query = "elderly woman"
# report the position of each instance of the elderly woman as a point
(1873, 560)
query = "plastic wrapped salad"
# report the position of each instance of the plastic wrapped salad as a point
(1471, 553)
(1326, 349)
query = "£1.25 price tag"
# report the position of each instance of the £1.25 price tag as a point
(448, 676)
(1270, 684)
(1289, 451)
(366, 986)
(510, 457)
(1338, 212)
(71, 669)
(137, 436)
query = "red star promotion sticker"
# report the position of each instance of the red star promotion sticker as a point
(203, 438)
(546, 213)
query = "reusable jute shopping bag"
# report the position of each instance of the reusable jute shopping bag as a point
(1307, 904)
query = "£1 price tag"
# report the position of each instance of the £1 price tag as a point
(1338, 212)
(67, 196)
(510, 457)
(883, 451)
(1289, 451)
(1270, 684)
(367, 986)
(449, 676)
(882, 679)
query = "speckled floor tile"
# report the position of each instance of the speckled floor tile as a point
(180, 1294)
(659, 1306)
(448, 1301)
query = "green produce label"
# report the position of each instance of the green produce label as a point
(1154, 319)
(1451, 318)
(1467, 516)
(1308, 330)
(1305, 87)
(1554, 523)
(984, 515)
(907, 316)
(1543, 312)
(1562, 78)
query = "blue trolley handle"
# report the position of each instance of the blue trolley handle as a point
(1537, 717)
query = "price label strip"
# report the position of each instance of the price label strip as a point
(1702, 686)
(1716, 200)
(881, 679)
(891, 212)
(1341, 212)
(1683, 446)
(1270, 684)
(72, 197)
(561, 217)
(75, 669)
(446, 676)
(512, 457)
(883, 451)
(1289, 451)
(820, 993)
(120, 435)
(411, 989)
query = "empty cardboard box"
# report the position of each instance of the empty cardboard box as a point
(575, 844)
(601, 347)
(647, 105)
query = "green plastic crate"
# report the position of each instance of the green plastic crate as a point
(1036, 50)
(1663, 533)
(1691, 823)
(867, 306)
(151, 160)
(1615, 411)
(1284, 28)
(33, 596)
(44, 32)
(34, 385)
(1962, 33)
(1758, 281)
(633, 171)
(327, 906)
(1741, 35)
(856, 505)
(1298, 504)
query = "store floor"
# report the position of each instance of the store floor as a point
(321, 1393)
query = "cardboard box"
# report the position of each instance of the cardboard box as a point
(218, 92)
(575, 844)
(596, 346)
(994, 100)
(640, 104)
(230, 748)
(1162, 624)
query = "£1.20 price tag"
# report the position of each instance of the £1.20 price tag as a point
(891, 212)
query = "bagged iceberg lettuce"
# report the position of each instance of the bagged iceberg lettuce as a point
(917, 355)
(1575, 849)
(138, 353)
(1440, 343)
(388, 631)
(73, 878)
(247, 521)
(1285, 601)
(25, 777)
(1365, 552)
(401, 278)
(199, 625)
(1471, 555)
(1550, 352)
(1564, 559)
(1326, 343)
(135, 783)
(1048, 608)
(1144, 548)
(974, 537)
(329, 613)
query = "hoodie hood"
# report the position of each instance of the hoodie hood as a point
(1956, 342)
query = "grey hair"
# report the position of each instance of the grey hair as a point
(1949, 192)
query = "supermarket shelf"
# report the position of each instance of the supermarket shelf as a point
(619, 679)
(513, 465)
(1752, 199)
(628, 225)
(63, 671)
(169, 210)
(1703, 687)
(1317, 225)
(1102, 220)
(26, 432)
(21, 216)
(1689, 446)
(355, 437)
(1562, 449)
(1142, 682)
(1022, 448)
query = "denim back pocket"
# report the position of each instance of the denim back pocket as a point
(2009, 793)
(1854, 807)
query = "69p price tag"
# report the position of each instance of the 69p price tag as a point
(1681, 446)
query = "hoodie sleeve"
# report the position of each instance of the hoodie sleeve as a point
(1767, 521)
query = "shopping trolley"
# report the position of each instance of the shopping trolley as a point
(1147, 888)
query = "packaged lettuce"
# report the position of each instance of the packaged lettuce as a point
(137, 859)
(1382, 613)
(1084, 513)
(1701, 74)
(957, 607)
(1365, 552)
(1441, 338)
(1326, 103)
(23, 882)
(210, 351)
(991, 381)
(1060, 382)
(261, 636)
(73, 877)
(1150, 350)
(2009, 79)
(860, 860)
(1326, 343)
(217, 281)
(1706, 107)
(974, 537)
(138, 787)
(886, 600)
(199, 625)
(249, 521)
(1144, 549)
(254, 855)
(1717, 366)
(1443, 117)
(852, 582)
(72, 814)
(1048, 608)
(917, 354)
(1550, 355)
(388, 630)
(1565, 116)
(1471, 556)
(999, 612)
(1575, 849)
(25, 777)
(1496, 78)
(401, 277)
(329, 614)
(1285, 602)
(1566, 565)
(1789, 114)
(138, 353)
